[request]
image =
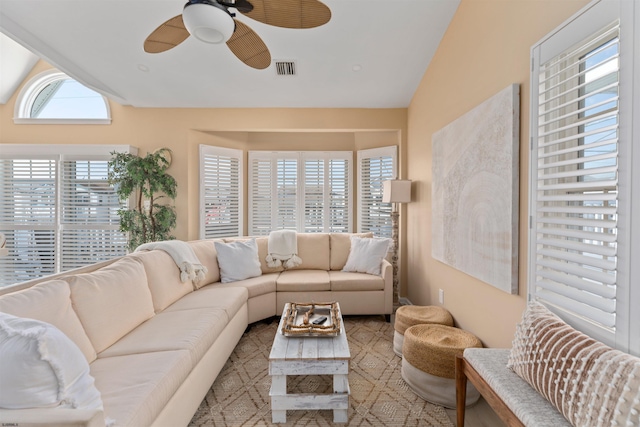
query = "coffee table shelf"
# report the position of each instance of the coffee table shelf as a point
(309, 356)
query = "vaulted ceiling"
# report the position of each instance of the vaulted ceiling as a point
(371, 54)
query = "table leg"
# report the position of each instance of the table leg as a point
(341, 385)
(278, 388)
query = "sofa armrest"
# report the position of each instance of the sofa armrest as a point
(51, 417)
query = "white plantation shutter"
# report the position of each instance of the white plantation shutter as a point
(575, 172)
(375, 166)
(220, 192)
(89, 222)
(326, 191)
(286, 195)
(304, 191)
(27, 218)
(56, 209)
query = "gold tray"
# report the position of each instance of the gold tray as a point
(297, 314)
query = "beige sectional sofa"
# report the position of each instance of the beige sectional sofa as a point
(155, 344)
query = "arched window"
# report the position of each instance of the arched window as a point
(52, 97)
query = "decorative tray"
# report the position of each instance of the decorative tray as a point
(298, 320)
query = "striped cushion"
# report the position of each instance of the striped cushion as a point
(590, 383)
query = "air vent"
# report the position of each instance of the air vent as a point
(285, 68)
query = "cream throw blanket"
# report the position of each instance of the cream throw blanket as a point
(283, 249)
(183, 256)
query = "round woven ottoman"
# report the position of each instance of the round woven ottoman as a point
(428, 362)
(409, 315)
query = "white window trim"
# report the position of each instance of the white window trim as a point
(227, 152)
(627, 335)
(390, 151)
(29, 92)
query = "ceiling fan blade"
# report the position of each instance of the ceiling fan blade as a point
(166, 36)
(249, 47)
(290, 13)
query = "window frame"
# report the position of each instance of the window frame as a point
(389, 151)
(299, 157)
(208, 150)
(578, 28)
(59, 154)
(31, 90)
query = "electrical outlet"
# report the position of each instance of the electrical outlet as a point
(441, 296)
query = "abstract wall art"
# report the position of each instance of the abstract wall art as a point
(475, 191)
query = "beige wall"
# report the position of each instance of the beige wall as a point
(486, 48)
(182, 130)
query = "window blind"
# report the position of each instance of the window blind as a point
(304, 191)
(27, 218)
(89, 222)
(375, 166)
(575, 181)
(221, 192)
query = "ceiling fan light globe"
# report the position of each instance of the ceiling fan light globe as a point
(208, 23)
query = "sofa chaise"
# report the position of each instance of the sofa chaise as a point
(153, 343)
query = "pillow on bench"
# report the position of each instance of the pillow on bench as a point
(589, 383)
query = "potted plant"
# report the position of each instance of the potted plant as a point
(146, 178)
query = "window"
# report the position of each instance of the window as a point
(220, 192)
(580, 189)
(57, 210)
(306, 191)
(53, 97)
(374, 167)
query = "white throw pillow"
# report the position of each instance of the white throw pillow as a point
(238, 260)
(366, 254)
(42, 367)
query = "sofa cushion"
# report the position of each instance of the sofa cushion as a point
(303, 281)
(340, 244)
(256, 286)
(313, 249)
(263, 251)
(50, 302)
(192, 330)
(136, 387)
(215, 296)
(343, 281)
(41, 367)
(163, 278)
(238, 260)
(366, 255)
(205, 250)
(112, 301)
(588, 382)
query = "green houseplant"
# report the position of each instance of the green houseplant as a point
(147, 179)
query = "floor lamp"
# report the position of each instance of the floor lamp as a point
(396, 191)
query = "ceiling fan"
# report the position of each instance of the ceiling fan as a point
(212, 22)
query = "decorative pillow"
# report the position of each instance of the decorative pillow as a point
(42, 367)
(366, 254)
(238, 260)
(588, 382)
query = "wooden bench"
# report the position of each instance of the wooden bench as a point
(512, 398)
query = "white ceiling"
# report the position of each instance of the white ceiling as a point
(99, 43)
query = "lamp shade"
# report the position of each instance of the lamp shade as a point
(396, 191)
(208, 22)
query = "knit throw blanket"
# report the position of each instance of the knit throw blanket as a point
(183, 256)
(283, 249)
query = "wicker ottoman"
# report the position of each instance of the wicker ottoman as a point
(409, 315)
(428, 362)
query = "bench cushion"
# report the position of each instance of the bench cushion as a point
(526, 403)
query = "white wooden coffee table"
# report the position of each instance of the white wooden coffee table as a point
(309, 356)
